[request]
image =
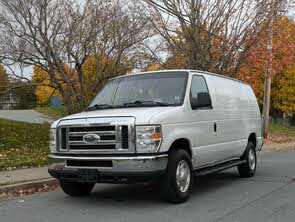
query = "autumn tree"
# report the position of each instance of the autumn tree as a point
(283, 94)
(44, 92)
(50, 34)
(90, 68)
(283, 59)
(283, 91)
(215, 35)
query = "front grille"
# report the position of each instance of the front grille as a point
(64, 138)
(92, 147)
(124, 137)
(102, 137)
(92, 128)
(105, 138)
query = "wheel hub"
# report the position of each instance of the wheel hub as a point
(251, 159)
(183, 176)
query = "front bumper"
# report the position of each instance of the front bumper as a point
(259, 144)
(123, 169)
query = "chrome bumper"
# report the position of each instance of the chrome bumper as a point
(120, 164)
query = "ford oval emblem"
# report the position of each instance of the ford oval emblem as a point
(91, 138)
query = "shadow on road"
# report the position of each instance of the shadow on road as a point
(151, 194)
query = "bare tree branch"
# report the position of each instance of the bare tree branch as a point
(211, 35)
(60, 36)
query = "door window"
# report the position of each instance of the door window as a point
(198, 85)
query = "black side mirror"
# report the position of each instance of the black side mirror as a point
(203, 100)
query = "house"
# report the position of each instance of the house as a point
(8, 102)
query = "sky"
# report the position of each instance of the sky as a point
(27, 72)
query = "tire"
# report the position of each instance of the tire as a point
(248, 168)
(76, 189)
(178, 191)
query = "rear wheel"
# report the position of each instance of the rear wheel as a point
(178, 180)
(76, 188)
(248, 168)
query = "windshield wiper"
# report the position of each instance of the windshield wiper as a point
(146, 102)
(99, 106)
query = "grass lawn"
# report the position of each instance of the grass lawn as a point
(281, 134)
(53, 112)
(23, 144)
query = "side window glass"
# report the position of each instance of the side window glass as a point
(198, 85)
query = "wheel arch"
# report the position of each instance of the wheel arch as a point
(252, 138)
(181, 143)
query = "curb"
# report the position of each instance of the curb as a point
(28, 185)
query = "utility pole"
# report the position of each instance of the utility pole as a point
(268, 74)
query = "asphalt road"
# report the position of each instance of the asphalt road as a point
(30, 116)
(269, 196)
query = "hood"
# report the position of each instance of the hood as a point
(142, 115)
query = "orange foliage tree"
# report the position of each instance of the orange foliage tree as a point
(44, 93)
(95, 72)
(283, 91)
(283, 58)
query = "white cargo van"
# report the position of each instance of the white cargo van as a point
(164, 126)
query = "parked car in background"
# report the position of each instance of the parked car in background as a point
(163, 126)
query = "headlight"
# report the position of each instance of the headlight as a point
(52, 140)
(148, 138)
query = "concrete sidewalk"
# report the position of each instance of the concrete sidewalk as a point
(28, 177)
(29, 116)
(22, 175)
(24, 179)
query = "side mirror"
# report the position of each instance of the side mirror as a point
(203, 100)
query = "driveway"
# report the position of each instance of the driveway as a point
(30, 116)
(224, 196)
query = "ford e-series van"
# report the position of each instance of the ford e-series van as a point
(164, 127)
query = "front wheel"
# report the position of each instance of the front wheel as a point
(248, 168)
(178, 180)
(76, 188)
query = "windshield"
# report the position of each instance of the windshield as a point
(152, 89)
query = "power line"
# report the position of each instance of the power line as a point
(163, 9)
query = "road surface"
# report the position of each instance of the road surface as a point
(224, 196)
(30, 116)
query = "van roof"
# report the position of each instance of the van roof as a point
(186, 70)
